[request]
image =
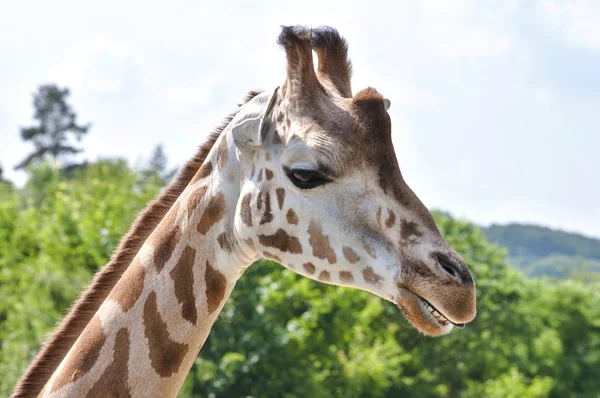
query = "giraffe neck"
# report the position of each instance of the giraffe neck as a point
(146, 335)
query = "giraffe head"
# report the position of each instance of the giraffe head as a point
(322, 192)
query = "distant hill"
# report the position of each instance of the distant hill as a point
(542, 251)
(532, 240)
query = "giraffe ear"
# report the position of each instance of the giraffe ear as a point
(386, 103)
(252, 121)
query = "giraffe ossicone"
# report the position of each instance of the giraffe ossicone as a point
(305, 175)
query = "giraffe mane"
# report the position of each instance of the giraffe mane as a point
(57, 345)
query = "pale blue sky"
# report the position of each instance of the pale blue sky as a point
(495, 105)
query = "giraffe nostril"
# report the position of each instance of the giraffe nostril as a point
(448, 265)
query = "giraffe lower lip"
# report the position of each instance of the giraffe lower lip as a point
(425, 310)
(428, 304)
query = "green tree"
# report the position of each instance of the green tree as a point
(56, 124)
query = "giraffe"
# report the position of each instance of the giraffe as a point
(305, 175)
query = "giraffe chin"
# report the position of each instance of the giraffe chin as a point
(422, 315)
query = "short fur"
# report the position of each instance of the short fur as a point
(58, 344)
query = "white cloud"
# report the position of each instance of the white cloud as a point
(411, 97)
(461, 30)
(184, 97)
(473, 44)
(577, 20)
(98, 66)
(543, 96)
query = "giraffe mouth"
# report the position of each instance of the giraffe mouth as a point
(438, 314)
(423, 315)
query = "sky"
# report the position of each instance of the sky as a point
(495, 105)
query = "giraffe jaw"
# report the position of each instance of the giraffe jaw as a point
(423, 315)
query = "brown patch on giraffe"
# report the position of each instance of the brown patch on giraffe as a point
(271, 256)
(215, 287)
(260, 172)
(165, 238)
(371, 276)
(259, 200)
(282, 241)
(113, 381)
(213, 213)
(320, 243)
(350, 255)
(409, 229)
(267, 216)
(280, 197)
(134, 276)
(379, 217)
(280, 116)
(225, 241)
(245, 210)
(267, 156)
(288, 122)
(203, 172)
(183, 279)
(222, 155)
(194, 199)
(324, 276)
(268, 174)
(391, 219)
(369, 249)
(309, 268)
(346, 277)
(84, 357)
(166, 355)
(292, 217)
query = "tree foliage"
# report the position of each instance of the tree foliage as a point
(282, 335)
(56, 124)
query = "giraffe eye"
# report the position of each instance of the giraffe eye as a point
(306, 179)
